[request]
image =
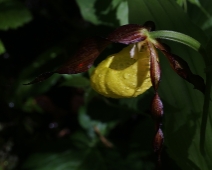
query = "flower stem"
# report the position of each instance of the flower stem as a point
(176, 36)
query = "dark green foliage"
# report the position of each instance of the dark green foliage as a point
(62, 123)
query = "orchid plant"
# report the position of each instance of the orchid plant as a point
(136, 68)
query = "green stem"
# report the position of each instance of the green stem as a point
(176, 36)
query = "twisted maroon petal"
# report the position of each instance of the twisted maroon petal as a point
(155, 70)
(182, 68)
(157, 107)
(158, 144)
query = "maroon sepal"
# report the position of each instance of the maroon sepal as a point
(155, 70)
(127, 34)
(83, 59)
(181, 67)
(158, 145)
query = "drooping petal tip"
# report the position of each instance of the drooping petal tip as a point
(40, 78)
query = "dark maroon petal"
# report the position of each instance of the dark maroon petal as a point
(127, 34)
(84, 57)
(41, 78)
(81, 61)
(157, 107)
(181, 67)
(158, 144)
(155, 70)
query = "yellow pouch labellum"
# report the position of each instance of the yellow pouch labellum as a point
(121, 76)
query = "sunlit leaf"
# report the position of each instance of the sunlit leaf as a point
(122, 13)
(98, 12)
(13, 14)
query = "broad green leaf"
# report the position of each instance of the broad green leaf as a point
(88, 10)
(207, 24)
(202, 9)
(81, 140)
(13, 14)
(205, 12)
(55, 161)
(76, 81)
(183, 105)
(113, 12)
(89, 124)
(122, 13)
(202, 17)
(195, 2)
(73, 158)
(182, 3)
(89, 95)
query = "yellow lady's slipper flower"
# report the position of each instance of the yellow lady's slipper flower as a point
(134, 69)
(124, 74)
